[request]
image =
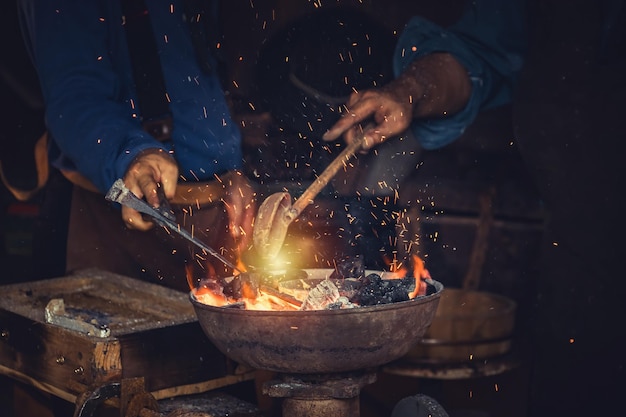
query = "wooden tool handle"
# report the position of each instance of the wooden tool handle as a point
(320, 182)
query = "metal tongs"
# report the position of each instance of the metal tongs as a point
(162, 215)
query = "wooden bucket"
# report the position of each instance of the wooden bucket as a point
(468, 325)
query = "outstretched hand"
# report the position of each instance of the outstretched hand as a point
(432, 86)
(149, 171)
(388, 108)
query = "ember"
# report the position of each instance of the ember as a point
(349, 285)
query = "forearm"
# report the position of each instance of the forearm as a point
(436, 85)
(487, 43)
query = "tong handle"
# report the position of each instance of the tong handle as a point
(119, 193)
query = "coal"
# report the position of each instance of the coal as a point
(244, 285)
(355, 287)
(374, 290)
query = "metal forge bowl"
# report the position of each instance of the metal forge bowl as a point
(318, 341)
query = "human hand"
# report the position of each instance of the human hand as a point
(240, 202)
(388, 107)
(152, 169)
(433, 86)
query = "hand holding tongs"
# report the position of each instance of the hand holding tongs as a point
(163, 215)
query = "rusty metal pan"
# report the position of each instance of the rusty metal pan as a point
(319, 341)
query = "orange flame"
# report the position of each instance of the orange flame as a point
(420, 273)
(241, 267)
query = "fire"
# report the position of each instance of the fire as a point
(241, 267)
(261, 301)
(266, 301)
(399, 270)
(208, 296)
(244, 291)
(209, 291)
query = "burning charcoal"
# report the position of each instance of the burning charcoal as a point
(210, 285)
(324, 294)
(376, 290)
(349, 268)
(244, 285)
(341, 303)
(239, 305)
(348, 286)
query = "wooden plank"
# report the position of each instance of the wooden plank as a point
(41, 386)
(203, 386)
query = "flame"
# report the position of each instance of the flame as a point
(262, 301)
(265, 301)
(398, 270)
(209, 291)
(241, 267)
(208, 296)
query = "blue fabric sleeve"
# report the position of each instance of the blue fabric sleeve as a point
(489, 41)
(95, 130)
(80, 51)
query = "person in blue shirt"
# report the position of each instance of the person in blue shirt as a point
(561, 67)
(94, 122)
(444, 78)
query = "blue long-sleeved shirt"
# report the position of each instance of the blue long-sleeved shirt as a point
(489, 40)
(80, 52)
